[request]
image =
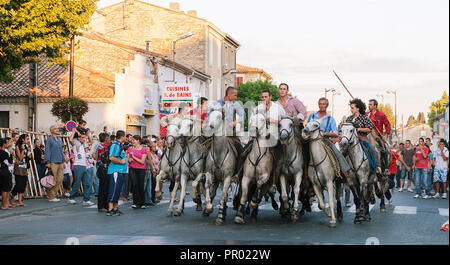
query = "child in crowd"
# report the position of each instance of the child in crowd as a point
(68, 177)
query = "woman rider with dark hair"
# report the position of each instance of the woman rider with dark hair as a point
(363, 126)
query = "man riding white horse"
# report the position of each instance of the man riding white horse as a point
(329, 130)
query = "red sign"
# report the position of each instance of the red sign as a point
(71, 125)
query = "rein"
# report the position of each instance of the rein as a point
(190, 166)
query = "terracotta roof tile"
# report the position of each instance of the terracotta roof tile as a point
(54, 82)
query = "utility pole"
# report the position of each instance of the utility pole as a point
(328, 90)
(394, 92)
(32, 96)
(332, 103)
(72, 59)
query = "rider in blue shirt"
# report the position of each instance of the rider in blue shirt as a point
(329, 130)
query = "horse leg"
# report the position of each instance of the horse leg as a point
(330, 188)
(356, 199)
(340, 215)
(172, 199)
(298, 181)
(254, 215)
(320, 198)
(365, 205)
(274, 202)
(223, 201)
(183, 182)
(158, 193)
(239, 219)
(284, 197)
(196, 194)
(209, 208)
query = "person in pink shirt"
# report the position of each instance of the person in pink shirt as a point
(137, 156)
(292, 106)
(420, 163)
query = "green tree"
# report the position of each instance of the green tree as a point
(437, 108)
(251, 91)
(411, 121)
(33, 28)
(387, 110)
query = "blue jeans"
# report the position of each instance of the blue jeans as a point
(66, 182)
(80, 174)
(115, 186)
(422, 177)
(97, 181)
(41, 170)
(148, 189)
(90, 172)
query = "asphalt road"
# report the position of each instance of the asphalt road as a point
(408, 221)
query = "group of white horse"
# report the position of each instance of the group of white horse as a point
(211, 160)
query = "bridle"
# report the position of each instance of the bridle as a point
(290, 134)
(355, 136)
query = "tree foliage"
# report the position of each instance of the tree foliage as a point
(437, 108)
(251, 91)
(387, 110)
(32, 28)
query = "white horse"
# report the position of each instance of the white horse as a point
(170, 164)
(321, 170)
(289, 166)
(257, 179)
(193, 159)
(221, 164)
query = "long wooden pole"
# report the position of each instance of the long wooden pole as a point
(348, 91)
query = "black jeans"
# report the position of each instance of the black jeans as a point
(103, 188)
(21, 183)
(136, 178)
(153, 188)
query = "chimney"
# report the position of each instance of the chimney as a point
(192, 13)
(175, 6)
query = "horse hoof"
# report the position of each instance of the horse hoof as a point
(383, 210)
(356, 221)
(340, 218)
(205, 213)
(178, 213)
(253, 219)
(253, 205)
(294, 218)
(199, 208)
(169, 214)
(367, 219)
(219, 222)
(239, 220)
(332, 224)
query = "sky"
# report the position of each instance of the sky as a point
(374, 45)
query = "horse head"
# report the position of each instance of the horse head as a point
(173, 128)
(348, 136)
(216, 119)
(312, 130)
(257, 123)
(286, 128)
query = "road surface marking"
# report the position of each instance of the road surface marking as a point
(443, 212)
(353, 208)
(405, 210)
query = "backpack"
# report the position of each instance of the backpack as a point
(104, 157)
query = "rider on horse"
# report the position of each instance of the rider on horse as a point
(380, 120)
(329, 130)
(363, 126)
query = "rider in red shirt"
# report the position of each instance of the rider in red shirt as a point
(379, 121)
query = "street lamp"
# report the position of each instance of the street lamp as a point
(394, 92)
(328, 90)
(334, 94)
(382, 98)
(174, 45)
